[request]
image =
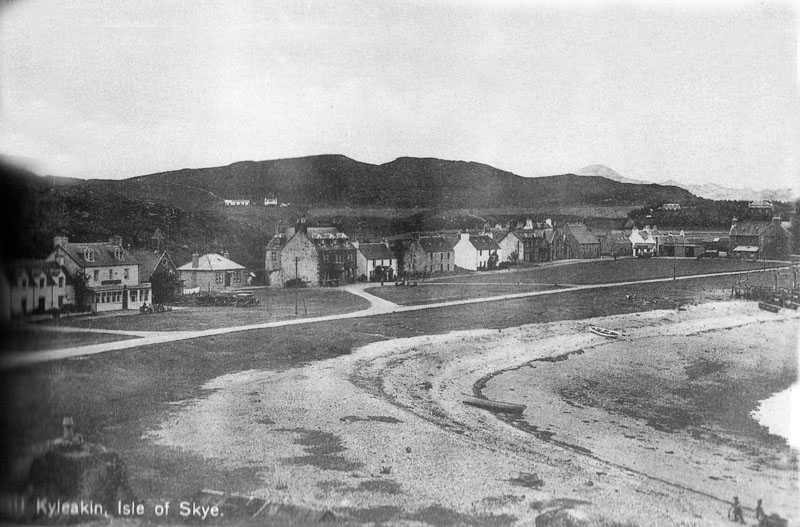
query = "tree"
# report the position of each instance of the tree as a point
(82, 292)
(165, 284)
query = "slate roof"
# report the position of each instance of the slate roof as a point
(375, 251)
(749, 228)
(212, 262)
(277, 242)
(435, 244)
(483, 243)
(104, 254)
(582, 234)
(148, 262)
(33, 268)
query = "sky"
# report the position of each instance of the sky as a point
(690, 91)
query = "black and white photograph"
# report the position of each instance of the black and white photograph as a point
(399, 263)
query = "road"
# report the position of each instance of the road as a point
(378, 306)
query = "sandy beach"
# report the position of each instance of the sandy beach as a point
(647, 429)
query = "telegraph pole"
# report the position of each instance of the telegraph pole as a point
(296, 283)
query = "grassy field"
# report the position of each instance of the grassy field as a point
(116, 397)
(30, 339)
(276, 304)
(432, 292)
(608, 271)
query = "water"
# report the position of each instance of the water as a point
(775, 413)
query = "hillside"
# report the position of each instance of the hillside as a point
(186, 205)
(333, 180)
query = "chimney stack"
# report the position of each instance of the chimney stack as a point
(115, 240)
(226, 255)
(60, 240)
(776, 220)
(195, 261)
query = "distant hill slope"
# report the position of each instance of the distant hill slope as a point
(186, 204)
(335, 180)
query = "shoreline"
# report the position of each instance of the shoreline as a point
(385, 427)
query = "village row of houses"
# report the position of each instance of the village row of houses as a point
(269, 201)
(116, 277)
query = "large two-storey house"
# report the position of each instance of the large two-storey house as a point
(34, 286)
(111, 273)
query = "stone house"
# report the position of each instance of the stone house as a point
(580, 241)
(767, 240)
(213, 272)
(429, 255)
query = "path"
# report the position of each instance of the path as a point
(378, 306)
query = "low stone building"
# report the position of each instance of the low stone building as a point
(429, 255)
(767, 240)
(213, 272)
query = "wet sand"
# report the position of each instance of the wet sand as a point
(384, 430)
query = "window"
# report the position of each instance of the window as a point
(41, 283)
(338, 257)
(134, 295)
(60, 260)
(126, 273)
(218, 277)
(110, 274)
(96, 275)
(88, 255)
(24, 282)
(146, 294)
(274, 255)
(237, 276)
(60, 281)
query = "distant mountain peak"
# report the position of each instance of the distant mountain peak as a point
(608, 173)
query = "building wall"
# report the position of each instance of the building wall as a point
(416, 260)
(19, 301)
(213, 280)
(466, 256)
(307, 265)
(112, 299)
(511, 244)
(125, 273)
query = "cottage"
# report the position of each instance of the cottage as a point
(614, 243)
(767, 240)
(34, 286)
(212, 272)
(476, 252)
(111, 271)
(270, 201)
(237, 202)
(375, 261)
(429, 255)
(642, 243)
(580, 242)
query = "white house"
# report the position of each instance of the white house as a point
(642, 242)
(112, 272)
(375, 261)
(31, 286)
(510, 242)
(237, 202)
(475, 252)
(270, 201)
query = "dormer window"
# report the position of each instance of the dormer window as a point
(118, 254)
(88, 255)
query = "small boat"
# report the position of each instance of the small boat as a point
(604, 332)
(494, 406)
(772, 308)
